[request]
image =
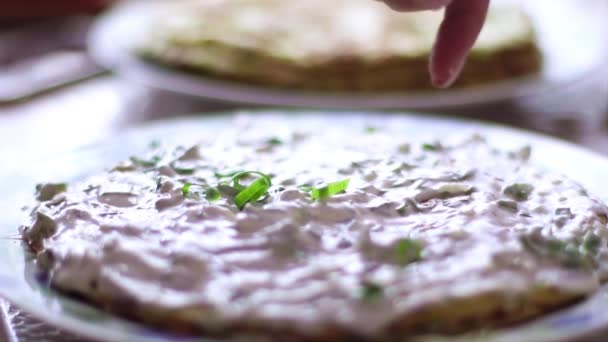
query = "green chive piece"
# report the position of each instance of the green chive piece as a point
(180, 169)
(371, 292)
(508, 205)
(146, 162)
(408, 251)
(274, 141)
(186, 189)
(256, 190)
(212, 194)
(567, 254)
(591, 242)
(371, 129)
(329, 189)
(431, 147)
(554, 246)
(305, 187)
(519, 191)
(226, 174)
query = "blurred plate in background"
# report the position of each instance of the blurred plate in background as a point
(571, 36)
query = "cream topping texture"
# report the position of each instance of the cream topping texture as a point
(419, 224)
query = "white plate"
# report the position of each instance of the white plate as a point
(18, 283)
(572, 37)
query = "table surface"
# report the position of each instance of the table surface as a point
(93, 110)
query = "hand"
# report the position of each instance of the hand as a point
(461, 25)
(30, 9)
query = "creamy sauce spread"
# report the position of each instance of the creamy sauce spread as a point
(420, 224)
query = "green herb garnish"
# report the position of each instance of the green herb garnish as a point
(356, 165)
(519, 191)
(153, 161)
(211, 194)
(274, 141)
(305, 187)
(591, 242)
(371, 292)
(567, 254)
(227, 174)
(431, 147)
(186, 189)
(371, 129)
(253, 191)
(329, 189)
(407, 251)
(508, 205)
(554, 246)
(180, 169)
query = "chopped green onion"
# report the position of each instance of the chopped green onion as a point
(591, 242)
(356, 165)
(254, 191)
(186, 189)
(519, 191)
(212, 194)
(182, 170)
(329, 189)
(573, 258)
(371, 292)
(274, 141)
(370, 129)
(243, 174)
(146, 162)
(227, 174)
(305, 187)
(408, 251)
(508, 205)
(567, 254)
(431, 147)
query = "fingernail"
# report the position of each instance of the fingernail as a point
(445, 80)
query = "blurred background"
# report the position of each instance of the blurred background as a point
(52, 91)
(56, 96)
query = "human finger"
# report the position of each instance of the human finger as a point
(458, 32)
